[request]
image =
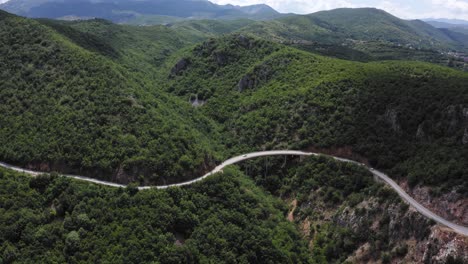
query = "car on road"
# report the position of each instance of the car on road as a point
(244, 155)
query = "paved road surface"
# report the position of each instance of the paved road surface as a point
(423, 210)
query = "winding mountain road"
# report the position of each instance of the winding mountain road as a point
(405, 196)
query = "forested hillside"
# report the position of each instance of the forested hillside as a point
(164, 104)
(136, 12)
(70, 109)
(225, 219)
(361, 34)
(400, 116)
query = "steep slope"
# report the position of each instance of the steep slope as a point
(139, 49)
(210, 28)
(128, 11)
(69, 109)
(226, 218)
(335, 208)
(374, 24)
(401, 116)
(348, 217)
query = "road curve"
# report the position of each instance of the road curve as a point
(406, 197)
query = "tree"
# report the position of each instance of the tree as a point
(72, 243)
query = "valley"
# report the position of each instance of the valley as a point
(420, 208)
(142, 112)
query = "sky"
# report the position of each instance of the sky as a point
(407, 9)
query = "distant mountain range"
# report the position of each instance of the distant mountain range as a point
(358, 34)
(446, 22)
(458, 28)
(128, 11)
(364, 30)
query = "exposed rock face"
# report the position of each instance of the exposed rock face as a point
(245, 41)
(406, 229)
(453, 120)
(420, 133)
(452, 205)
(444, 246)
(391, 116)
(465, 137)
(222, 58)
(465, 113)
(195, 102)
(247, 82)
(452, 117)
(180, 66)
(403, 234)
(260, 75)
(210, 48)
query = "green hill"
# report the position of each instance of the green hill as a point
(400, 115)
(71, 109)
(163, 104)
(115, 83)
(226, 217)
(359, 34)
(139, 49)
(139, 12)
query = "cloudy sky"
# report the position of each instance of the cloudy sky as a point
(401, 8)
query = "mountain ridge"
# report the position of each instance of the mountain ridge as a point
(128, 10)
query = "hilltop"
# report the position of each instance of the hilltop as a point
(361, 34)
(129, 11)
(68, 104)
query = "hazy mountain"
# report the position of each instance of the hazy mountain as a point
(129, 10)
(366, 31)
(446, 21)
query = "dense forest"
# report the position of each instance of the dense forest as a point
(85, 97)
(69, 109)
(164, 104)
(225, 219)
(401, 116)
(93, 84)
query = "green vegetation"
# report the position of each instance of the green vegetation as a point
(336, 206)
(68, 109)
(113, 102)
(139, 49)
(137, 12)
(362, 34)
(225, 219)
(405, 117)
(92, 97)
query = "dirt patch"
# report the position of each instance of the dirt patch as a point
(291, 213)
(306, 227)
